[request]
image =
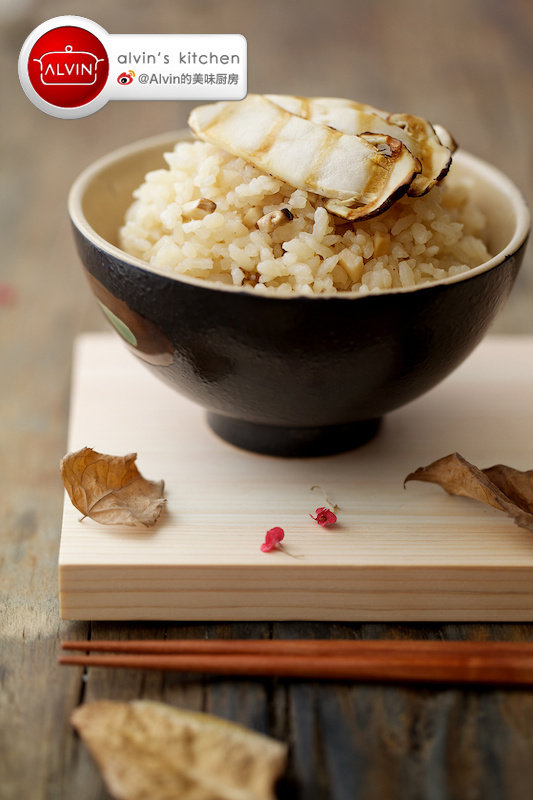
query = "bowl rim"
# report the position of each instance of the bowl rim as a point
(80, 184)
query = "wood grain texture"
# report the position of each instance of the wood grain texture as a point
(465, 63)
(395, 553)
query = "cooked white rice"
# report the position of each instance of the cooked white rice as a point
(418, 240)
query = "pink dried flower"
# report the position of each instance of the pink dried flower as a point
(324, 517)
(273, 539)
(7, 294)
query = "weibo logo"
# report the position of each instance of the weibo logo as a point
(125, 78)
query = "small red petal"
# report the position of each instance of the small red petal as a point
(272, 539)
(274, 535)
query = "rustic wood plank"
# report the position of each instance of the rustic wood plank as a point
(427, 742)
(245, 702)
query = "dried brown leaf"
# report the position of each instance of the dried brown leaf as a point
(516, 485)
(502, 487)
(110, 489)
(152, 750)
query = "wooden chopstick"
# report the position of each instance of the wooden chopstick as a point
(420, 661)
(299, 646)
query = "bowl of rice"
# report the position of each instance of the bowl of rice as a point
(295, 328)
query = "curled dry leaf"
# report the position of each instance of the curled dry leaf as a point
(110, 489)
(152, 750)
(502, 487)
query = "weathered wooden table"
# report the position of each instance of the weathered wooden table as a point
(466, 64)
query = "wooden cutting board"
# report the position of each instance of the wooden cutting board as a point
(395, 554)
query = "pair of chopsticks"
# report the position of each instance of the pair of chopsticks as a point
(413, 661)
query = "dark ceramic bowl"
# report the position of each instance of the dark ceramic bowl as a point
(291, 376)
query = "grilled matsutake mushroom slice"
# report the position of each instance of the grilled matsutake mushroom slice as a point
(434, 156)
(364, 174)
(445, 137)
(416, 133)
(198, 209)
(270, 221)
(398, 154)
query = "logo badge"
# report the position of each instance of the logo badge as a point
(66, 67)
(70, 67)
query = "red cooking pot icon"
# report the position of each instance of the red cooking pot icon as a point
(69, 67)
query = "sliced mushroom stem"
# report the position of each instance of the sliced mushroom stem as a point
(424, 141)
(399, 179)
(272, 220)
(308, 155)
(198, 209)
(359, 158)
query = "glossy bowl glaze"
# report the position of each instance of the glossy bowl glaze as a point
(291, 376)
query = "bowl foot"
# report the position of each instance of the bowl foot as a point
(290, 442)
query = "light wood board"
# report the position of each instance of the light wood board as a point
(395, 554)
